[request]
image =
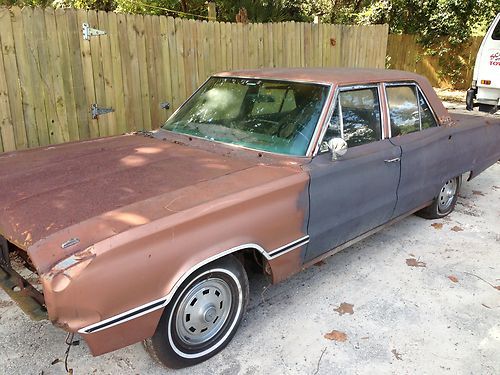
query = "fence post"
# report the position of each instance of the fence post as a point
(212, 14)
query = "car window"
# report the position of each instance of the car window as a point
(265, 115)
(428, 120)
(273, 98)
(403, 109)
(356, 117)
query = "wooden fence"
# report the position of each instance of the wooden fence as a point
(451, 70)
(50, 76)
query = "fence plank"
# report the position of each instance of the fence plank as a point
(152, 75)
(7, 139)
(68, 92)
(52, 76)
(27, 87)
(88, 74)
(82, 103)
(51, 67)
(108, 127)
(12, 77)
(143, 72)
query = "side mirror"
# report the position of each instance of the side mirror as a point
(338, 147)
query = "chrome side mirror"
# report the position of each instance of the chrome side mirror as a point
(338, 147)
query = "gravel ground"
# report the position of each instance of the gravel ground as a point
(441, 315)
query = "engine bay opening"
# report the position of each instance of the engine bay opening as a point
(19, 279)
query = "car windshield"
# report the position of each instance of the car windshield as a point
(265, 115)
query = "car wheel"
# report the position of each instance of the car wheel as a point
(445, 201)
(203, 316)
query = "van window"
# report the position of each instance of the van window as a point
(496, 32)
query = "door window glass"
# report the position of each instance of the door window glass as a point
(360, 116)
(403, 109)
(356, 118)
(428, 120)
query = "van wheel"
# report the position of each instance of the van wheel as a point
(485, 107)
(203, 316)
(445, 202)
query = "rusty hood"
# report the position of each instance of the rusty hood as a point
(49, 189)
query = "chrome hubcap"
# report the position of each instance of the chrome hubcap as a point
(203, 311)
(446, 194)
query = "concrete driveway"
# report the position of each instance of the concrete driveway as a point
(422, 295)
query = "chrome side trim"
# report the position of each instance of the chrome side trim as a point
(162, 302)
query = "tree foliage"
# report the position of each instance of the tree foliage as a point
(430, 19)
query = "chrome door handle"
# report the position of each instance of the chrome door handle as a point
(395, 160)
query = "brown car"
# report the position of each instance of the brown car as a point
(149, 236)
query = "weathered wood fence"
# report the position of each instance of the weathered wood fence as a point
(453, 69)
(50, 76)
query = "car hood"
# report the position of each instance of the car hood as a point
(49, 189)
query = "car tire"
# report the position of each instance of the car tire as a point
(485, 108)
(444, 203)
(203, 316)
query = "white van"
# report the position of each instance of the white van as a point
(485, 90)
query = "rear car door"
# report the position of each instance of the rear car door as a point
(427, 148)
(357, 192)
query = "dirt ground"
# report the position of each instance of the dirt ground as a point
(418, 297)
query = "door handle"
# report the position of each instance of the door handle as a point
(395, 160)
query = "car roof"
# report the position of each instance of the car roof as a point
(336, 76)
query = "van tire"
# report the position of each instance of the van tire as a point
(485, 108)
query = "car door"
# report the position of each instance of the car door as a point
(426, 148)
(353, 194)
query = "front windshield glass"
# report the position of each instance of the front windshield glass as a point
(264, 115)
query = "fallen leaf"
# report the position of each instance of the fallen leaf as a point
(477, 192)
(412, 255)
(336, 336)
(344, 308)
(456, 229)
(412, 262)
(397, 355)
(453, 278)
(486, 306)
(437, 225)
(365, 338)
(320, 263)
(497, 287)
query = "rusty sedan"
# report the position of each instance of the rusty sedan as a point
(150, 236)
